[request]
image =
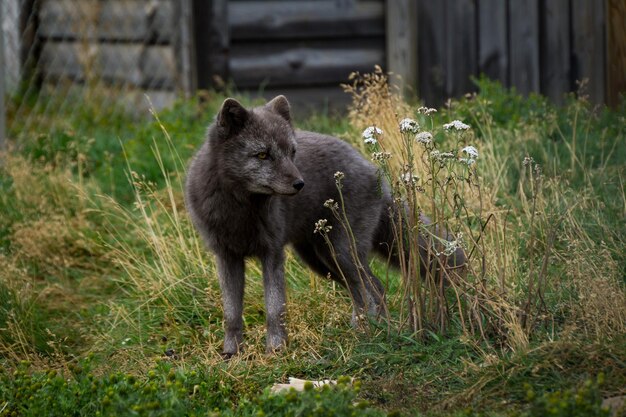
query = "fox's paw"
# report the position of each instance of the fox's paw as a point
(232, 345)
(276, 343)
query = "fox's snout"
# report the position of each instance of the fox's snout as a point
(298, 184)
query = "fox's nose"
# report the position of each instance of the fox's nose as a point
(298, 184)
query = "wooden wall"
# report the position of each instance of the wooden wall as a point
(305, 49)
(132, 45)
(541, 46)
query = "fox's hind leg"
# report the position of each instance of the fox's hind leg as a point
(366, 291)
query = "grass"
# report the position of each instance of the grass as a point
(101, 271)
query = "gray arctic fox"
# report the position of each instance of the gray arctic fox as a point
(257, 184)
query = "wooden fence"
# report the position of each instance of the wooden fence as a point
(130, 46)
(541, 46)
(305, 49)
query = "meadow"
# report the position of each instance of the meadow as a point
(109, 303)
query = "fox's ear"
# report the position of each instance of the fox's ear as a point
(232, 116)
(280, 105)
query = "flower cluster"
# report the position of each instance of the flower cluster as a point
(371, 134)
(424, 138)
(472, 155)
(409, 179)
(339, 176)
(456, 124)
(331, 204)
(426, 110)
(450, 246)
(322, 226)
(409, 126)
(381, 156)
(440, 156)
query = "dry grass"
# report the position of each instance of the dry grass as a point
(502, 299)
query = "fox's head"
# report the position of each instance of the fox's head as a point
(257, 147)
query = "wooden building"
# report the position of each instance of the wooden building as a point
(306, 48)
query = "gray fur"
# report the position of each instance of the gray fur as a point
(244, 205)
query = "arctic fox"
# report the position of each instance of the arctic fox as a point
(257, 184)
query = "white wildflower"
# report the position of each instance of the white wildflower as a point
(450, 246)
(426, 110)
(471, 152)
(424, 137)
(441, 156)
(381, 156)
(371, 134)
(322, 227)
(408, 178)
(456, 124)
(409, 126)
(339, 176)
(528, 160)
(331, 204)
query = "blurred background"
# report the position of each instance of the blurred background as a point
(58, 55)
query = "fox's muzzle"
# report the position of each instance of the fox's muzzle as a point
(298, 184)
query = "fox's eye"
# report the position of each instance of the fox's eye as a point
(262, 155)
(293, 153)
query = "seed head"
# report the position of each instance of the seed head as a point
(321, 226)
(380, 156)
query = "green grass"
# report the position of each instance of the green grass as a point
(109, 303)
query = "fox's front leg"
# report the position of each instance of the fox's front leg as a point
(230, 270)
(275, 300)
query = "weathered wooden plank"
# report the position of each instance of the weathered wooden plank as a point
(30, 45)
(266, 20)
(431, 41)
(120, 20)
(184, 48)
(616, 51)
(588, 46)
(212, 40)
(524, 45)
(253, 65)
(2, 83)
(493, 48)
(12, 40)
(461, 54)
(401, 43)
(150, 66)
(556, 74)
